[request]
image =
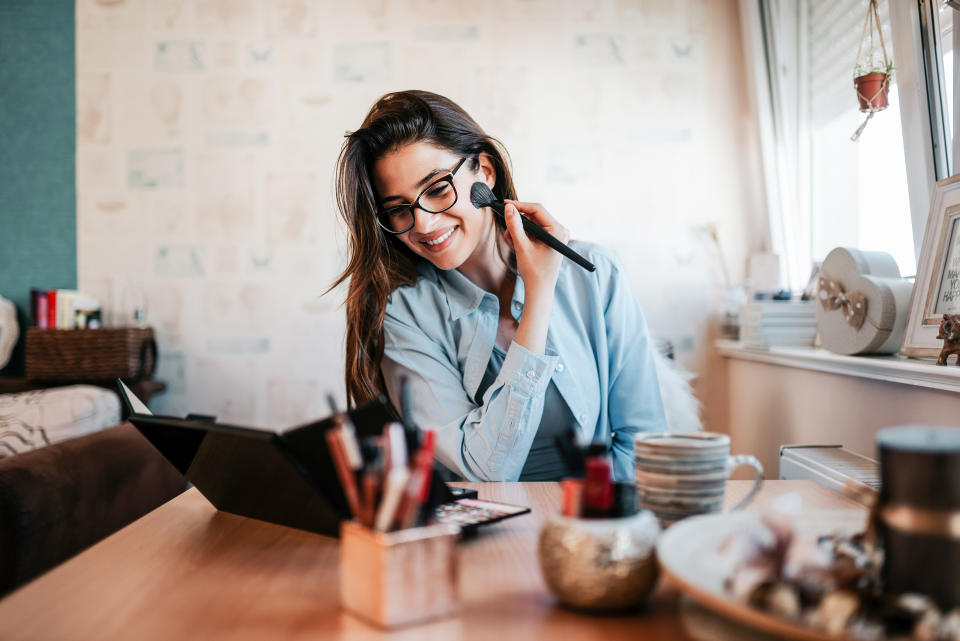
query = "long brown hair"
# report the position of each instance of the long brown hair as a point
(380, 262)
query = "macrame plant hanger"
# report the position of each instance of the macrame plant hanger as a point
(878, 101)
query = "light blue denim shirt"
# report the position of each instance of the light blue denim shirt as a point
(440, 332)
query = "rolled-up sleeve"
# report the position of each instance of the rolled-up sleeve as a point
(487, 442)
(634, 392)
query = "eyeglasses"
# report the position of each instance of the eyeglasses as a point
(439, 196)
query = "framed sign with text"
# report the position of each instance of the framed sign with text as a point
(937, 288)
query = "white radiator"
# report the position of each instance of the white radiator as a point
(833, 467)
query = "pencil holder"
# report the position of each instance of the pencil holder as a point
(398, 578)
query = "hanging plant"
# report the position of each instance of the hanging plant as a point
(873, 69)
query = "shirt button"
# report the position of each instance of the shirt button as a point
(531, 374)
(559, 367)
(516, 304)
(582, 417)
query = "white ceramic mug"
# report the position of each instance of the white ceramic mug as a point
(683, 474)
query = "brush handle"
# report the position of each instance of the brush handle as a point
(545, 237)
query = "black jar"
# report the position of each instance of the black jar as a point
(919, 511)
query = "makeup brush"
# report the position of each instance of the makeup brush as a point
(481, 196)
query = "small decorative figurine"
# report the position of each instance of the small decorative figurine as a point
(950, 333)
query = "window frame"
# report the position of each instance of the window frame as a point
(929, 154)
(956, 83)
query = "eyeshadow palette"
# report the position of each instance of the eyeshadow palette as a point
(469, 514)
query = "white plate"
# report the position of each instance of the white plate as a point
(689, 553)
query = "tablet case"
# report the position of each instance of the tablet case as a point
(287, 478)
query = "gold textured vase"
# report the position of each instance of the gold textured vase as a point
(600, 564)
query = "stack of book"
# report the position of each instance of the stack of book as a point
(63, 309)
(776, 323)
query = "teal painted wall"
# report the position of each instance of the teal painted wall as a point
(38, 220)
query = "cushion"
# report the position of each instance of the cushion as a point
(43, 417)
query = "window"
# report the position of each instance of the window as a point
(945, 29)
(858, 189)
(823, 190)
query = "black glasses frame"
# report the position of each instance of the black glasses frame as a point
(448, 177)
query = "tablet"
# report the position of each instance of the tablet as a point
(285, 477)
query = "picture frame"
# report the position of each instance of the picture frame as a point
(936, 290)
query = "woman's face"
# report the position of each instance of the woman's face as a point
(452, 237)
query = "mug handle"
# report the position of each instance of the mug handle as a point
(736, 461)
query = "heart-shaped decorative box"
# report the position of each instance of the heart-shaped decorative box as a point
(863, 302)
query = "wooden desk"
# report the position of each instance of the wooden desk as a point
(186, 571)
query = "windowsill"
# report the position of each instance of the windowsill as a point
(891, 369)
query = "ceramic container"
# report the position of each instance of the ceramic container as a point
(600, 564)
(918, 517)
(872, 91)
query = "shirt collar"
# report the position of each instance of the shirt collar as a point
(463, 296)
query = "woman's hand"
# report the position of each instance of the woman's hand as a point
(538, 264)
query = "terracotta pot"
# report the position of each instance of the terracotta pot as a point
(872, 91)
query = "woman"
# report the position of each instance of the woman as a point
(504, 343)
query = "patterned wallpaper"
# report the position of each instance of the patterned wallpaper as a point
(208, 130)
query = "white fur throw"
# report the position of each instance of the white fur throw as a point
(679, 404)
(9, 330)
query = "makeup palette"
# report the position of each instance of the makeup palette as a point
(472, 513)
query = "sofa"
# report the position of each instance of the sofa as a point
(59, 499)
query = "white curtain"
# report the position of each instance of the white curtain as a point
(773, 40)
(793, 49)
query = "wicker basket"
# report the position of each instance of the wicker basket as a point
(129, 353)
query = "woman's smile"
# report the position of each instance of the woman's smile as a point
(441, 240)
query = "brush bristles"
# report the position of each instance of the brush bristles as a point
(481, 196)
